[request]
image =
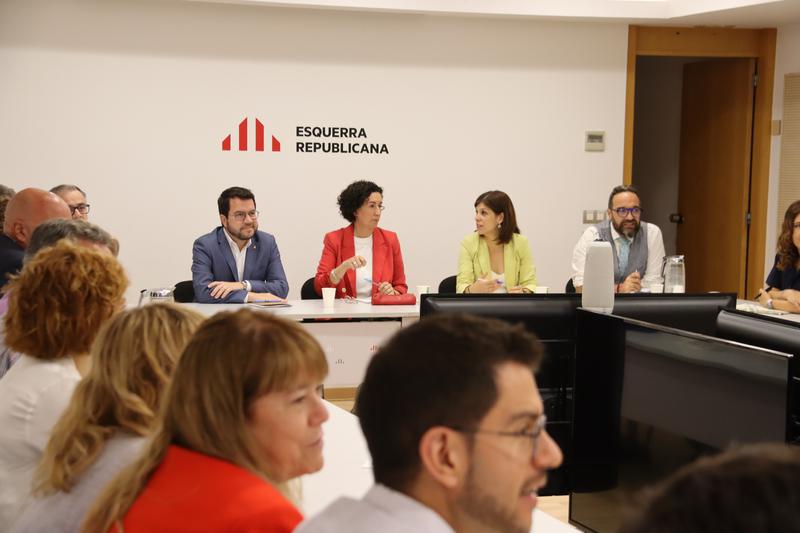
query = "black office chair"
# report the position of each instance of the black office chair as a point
(307, 292)
(448, 285)
(183, 292)
(570, 288)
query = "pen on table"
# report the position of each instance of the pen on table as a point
(266, 301)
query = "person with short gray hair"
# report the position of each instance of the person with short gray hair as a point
(638, 247)
(75, 198)
(50, 232)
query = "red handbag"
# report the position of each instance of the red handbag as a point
(393, 299)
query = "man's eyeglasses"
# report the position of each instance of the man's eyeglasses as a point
(239, 216)
(83, 209)
(625, 211)
(533, 436)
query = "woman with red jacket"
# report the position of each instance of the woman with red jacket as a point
(361, 260)
(242, 417)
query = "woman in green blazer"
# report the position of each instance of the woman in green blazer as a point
(495, 258)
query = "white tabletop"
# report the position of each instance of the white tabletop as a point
(302, 309)
(348, 471)
(752, 306)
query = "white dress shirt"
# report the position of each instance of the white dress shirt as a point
(655, 252)
(364, 249)
(33, 395)
(380, 510)
(239, 257)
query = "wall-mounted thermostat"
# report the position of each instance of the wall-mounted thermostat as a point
(595, 141)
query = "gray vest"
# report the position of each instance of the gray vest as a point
(637, 257)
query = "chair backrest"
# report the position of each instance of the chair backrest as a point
(184, 292)
(570, 288)
(448, 285)
(307, 292)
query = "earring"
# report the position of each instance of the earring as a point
(499, 226)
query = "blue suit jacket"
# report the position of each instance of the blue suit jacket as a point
(212, 260)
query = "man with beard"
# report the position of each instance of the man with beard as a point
(236, 263)
(638, 248)
(455, 426)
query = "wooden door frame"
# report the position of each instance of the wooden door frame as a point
(717, 42)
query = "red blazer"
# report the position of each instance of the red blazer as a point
(193, 492)
(387, 261)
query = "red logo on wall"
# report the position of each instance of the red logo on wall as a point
(226, 142)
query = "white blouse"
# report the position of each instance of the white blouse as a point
(363, 274)
(33, 395)
(501, 287)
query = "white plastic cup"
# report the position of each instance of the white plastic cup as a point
(423, 289)
(541, 289)
(328, 296)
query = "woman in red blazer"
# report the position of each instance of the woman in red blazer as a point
(242, 417)
(361, 260)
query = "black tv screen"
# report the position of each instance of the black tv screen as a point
(759, 330)
(552, 315)
(689, 312)
(767, 332)
(648, 399)
(548, 315)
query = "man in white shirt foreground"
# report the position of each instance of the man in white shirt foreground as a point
(455, 426)
(638, 247)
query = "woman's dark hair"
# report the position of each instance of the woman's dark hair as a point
(499, 202)
(354, 197)
(788, 255)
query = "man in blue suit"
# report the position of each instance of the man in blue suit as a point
(236, 263)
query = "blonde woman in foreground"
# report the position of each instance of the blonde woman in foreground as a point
(242, 417)
(112, 412)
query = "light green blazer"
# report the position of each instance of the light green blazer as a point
(473, 261)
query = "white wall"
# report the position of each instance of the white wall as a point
(131, 100)
(787, 61)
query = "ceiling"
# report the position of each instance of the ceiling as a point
(738, 13)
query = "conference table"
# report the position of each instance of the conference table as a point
(350, 332)
(316, 310)
(752, 306)
(348, 471)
